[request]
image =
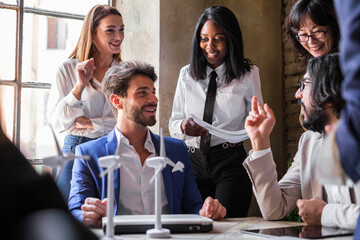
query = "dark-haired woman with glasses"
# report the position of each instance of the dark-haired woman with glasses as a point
(312, 28)
(219, 71)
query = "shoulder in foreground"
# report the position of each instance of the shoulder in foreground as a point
(311, 136)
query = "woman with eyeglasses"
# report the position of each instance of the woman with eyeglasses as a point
(312, 28)
(77, 105)
(219, 71)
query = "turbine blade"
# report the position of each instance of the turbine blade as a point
(58, 174)
(128, 171)
(168, 161)
(56, 142)
(70, 156)
(105, 172)
(51, 161)
(157, 171)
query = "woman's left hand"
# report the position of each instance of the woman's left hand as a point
(83, 123)
(190, 128)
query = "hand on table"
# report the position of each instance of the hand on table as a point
(310, 210)
(212, 208)
(93, 210)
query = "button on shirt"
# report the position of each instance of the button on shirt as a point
(232, 104)
(138, 197)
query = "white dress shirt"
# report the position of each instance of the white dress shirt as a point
(232, 104)
(138, 198)
(64, 108)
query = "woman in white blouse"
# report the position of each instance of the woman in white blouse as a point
(77, 104)
(217, 45)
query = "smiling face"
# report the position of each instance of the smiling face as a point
(316, 47)
(140, 104)
(109, 35)
(213, 43)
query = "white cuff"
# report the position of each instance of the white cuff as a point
(254, 155)
(72, 101)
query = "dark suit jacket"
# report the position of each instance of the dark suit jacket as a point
(181, 189)
(348, 135)
(27, 198)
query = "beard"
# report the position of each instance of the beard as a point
(135, 114)
(316, 119)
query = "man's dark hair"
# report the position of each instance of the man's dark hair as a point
(236, 64)
(117, 78)
(326, 79)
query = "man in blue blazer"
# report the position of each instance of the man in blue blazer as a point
(131, 93)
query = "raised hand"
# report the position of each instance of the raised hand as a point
(84, 72)
(259, 125)
(191, 128)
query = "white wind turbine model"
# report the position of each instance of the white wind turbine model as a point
(159, 163)
(111, 163)
(58, 162)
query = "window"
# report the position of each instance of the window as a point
(38, 35)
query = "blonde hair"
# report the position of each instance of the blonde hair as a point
(85, 49)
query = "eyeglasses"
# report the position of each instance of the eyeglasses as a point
(315, 35)
(302, 83)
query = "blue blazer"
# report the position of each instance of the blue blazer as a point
(181, 190)
(348, 134)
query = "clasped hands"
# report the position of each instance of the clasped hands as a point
(94, 209)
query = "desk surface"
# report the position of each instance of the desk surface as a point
(225, 229)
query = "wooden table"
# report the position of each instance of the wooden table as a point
(225, 230)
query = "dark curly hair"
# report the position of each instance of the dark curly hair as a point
(326, 79)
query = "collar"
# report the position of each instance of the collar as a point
(220, 70)
(149, 145)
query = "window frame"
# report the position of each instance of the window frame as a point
(17, 82)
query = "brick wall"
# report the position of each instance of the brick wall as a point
(293, 70)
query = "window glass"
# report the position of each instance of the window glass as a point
(36, 140)
(7, 110)
(7, 44)
(12, 2)
(48, 42)
(76, 7)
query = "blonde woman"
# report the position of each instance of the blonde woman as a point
(77, 104)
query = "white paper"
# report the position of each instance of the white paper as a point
(228, 136)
